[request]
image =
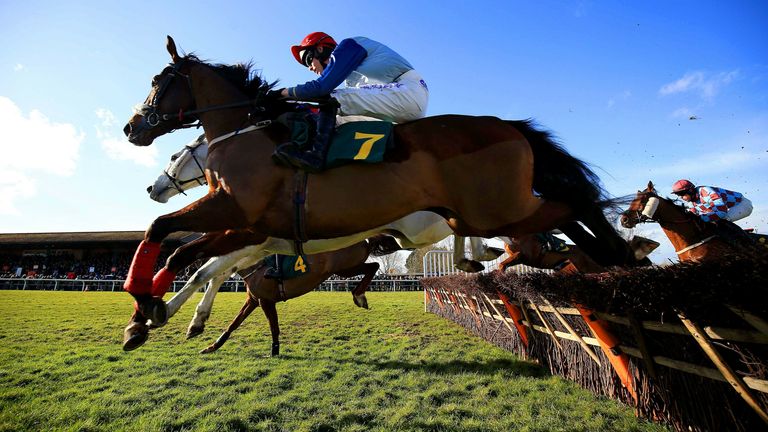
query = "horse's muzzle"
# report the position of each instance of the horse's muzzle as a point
(138, 132)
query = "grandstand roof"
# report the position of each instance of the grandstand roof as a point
(76, 239)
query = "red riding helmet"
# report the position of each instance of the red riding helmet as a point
(683, 186)
(310, 41)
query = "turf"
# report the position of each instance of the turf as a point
(391, 368)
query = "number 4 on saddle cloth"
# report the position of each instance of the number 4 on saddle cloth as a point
(284, 267)
(357, 141)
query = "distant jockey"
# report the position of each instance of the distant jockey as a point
(379, 83)
(712, 203)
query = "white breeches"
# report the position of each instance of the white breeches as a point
(739, 211)
(399, 102)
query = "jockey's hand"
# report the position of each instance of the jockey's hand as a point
(275, 94)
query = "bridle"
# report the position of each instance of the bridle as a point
(178, 184)
(644, 215)
(152, 118)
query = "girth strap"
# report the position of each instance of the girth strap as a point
(300, 211)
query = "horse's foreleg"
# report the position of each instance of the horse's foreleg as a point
(214, 212)
(270, 311)
(203, 310)
(245, 311)
(368, 270)
(482, 252)
(607, 248)
(207, 246)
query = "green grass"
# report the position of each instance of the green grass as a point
(391, 368)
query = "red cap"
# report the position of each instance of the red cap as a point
(311, 40)
(682, 186)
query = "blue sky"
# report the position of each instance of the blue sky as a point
(617, 82)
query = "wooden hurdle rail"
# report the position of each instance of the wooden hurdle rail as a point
(632, 362)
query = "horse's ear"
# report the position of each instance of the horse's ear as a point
(171, 46)
(650, 185)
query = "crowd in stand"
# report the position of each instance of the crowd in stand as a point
(102, 266)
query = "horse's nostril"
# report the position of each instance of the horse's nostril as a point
(149, 189)
(127, 129)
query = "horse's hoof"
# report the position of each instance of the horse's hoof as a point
(155, 310)
(360, 301)
(275, 350)
(134, 335)
(469, 266)
(209, 350)
(193, 331)
(491, 253)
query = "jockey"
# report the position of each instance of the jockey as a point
(379, 83)
(712, 203)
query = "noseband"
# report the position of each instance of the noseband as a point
(178, 184)
(150, 116)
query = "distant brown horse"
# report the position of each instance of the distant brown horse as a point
(531, 250)
(347, 262)
(477, 172)
(692, 238)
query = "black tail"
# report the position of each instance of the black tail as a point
(559, 176)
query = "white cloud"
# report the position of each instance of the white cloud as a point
(120, 148)
(704, 85)
(626, 94)
(17, 67)
(32, 145)
(701, 164)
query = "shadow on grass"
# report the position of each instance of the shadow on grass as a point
(452, 367)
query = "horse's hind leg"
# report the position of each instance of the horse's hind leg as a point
(270, 311)
(203, 310)
(245, 311)
(460, 261)
(368, 270)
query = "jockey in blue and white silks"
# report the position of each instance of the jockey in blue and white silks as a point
(380, 83)
(713, 203)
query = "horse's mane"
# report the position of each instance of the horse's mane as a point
(241, 75)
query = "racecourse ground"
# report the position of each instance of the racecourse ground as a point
(391, 368)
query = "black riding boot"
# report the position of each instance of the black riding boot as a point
(313, 160)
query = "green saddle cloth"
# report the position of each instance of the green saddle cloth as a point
(287, 266)
(363, 141)
(359, 141)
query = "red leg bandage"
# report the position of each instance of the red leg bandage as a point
(162, 281)
(139, 279)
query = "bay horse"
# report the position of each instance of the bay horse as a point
(692, 238)
(479, 173)
(184, 171)
(531, 250)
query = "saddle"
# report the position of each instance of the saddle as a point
(355, 141)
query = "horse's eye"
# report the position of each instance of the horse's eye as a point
(174, 157)
(155, 79)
